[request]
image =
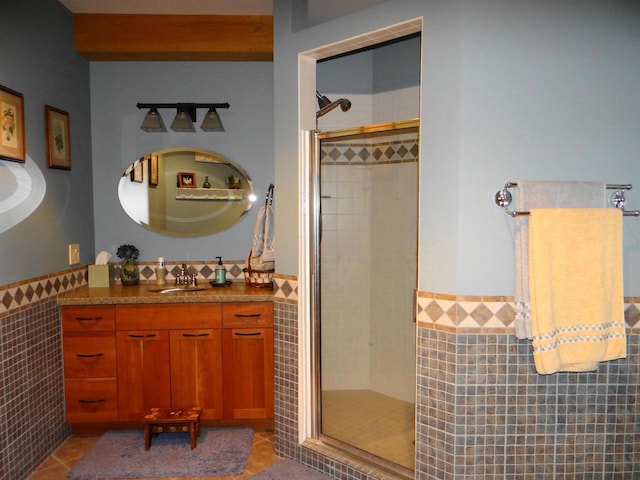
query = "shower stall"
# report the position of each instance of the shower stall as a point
(365, 269)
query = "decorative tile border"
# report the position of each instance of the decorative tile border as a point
(21, 295)
(286, 288)
(404, 148)
(486, 313)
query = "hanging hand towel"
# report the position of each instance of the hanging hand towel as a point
(575, 279)
(262, 255)
(543, 194)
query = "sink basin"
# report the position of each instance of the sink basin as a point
(178, 289)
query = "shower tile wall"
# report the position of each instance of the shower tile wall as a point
(367, 246)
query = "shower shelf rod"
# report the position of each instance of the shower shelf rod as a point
(617, 199)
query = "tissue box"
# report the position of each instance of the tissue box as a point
(100, 275)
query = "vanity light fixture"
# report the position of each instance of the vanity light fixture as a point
(153, 122)
(212, 122)
(185, 117)
(184, 120)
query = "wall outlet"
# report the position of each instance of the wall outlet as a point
(74, 253)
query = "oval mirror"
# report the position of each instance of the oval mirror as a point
(185, 192)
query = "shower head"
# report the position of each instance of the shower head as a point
(327, 105)
(322, 100)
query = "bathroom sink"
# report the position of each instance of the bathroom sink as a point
(178, 289)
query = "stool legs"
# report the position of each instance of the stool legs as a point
(147, 436)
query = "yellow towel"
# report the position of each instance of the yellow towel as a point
(575, 279)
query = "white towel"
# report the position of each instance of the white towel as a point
(262, 248)
(543, 194)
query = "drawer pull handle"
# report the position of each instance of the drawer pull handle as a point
(247, 334)
(148, 335)
(89, 355)
(97, 400)
(89, 319)
(247, 315)
(195, 334)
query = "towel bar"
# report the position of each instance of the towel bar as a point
(617, 199)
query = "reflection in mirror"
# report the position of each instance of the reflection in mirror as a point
(185, 192)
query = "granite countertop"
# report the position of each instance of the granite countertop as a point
(118, 294)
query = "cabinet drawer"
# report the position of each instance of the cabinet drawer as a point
(91, 400)
(98, 318)
(166, 316)
(247, 314)
(89, 355)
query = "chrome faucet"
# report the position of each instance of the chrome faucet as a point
(184, 278)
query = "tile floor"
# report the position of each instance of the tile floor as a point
(60, 462)
(372, 422)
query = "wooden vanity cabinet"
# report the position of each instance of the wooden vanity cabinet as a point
(247, 349)
(175, 361)
(121, 360)
(89, 355)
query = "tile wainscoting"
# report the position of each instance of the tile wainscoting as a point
(32, 415)
(482, 410)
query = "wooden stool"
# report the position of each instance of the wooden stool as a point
(169, 420)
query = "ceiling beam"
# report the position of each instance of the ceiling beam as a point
(123, 37)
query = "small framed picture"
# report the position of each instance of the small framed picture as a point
(186, 180)
(153, 170)
(58, 138)
(137, 173)
(12, 142)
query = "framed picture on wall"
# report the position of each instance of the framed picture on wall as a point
(187, 180)
(153, 170)
(58, 138)
(137, 174)
(12, 142)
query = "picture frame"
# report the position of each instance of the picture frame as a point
(12, 133)
(187, 180)
(137, 173)
(153, 170)
(58, 138)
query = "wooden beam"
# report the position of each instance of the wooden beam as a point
(120, 37)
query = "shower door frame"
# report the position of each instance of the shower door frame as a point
(311, 146)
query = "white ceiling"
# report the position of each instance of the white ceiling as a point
(175, 7)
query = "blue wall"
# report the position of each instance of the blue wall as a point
(509, 90)
(117, 141)
(37, 60)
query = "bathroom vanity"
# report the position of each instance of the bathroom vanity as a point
(128, 349)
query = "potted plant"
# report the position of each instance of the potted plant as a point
(129, 274)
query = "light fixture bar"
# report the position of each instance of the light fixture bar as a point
(185, 117)
(187, 104)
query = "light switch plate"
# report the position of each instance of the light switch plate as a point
(74, 253)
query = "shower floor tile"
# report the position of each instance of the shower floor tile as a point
(370, 421)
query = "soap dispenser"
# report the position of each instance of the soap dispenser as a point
(221, 272)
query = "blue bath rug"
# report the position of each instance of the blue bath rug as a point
(289, 470)
(120, 454)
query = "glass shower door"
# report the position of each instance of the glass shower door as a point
(368, 275)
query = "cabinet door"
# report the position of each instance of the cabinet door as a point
(196, 371)
(143, 372)
(248, 372)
